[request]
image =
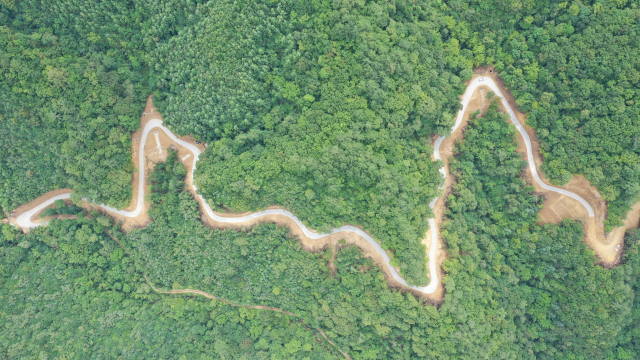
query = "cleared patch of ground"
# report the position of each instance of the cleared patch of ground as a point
(558, 207)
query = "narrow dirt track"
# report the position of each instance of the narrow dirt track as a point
(190, 152)
(257, 307)
(209, 296)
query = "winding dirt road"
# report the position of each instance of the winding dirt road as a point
(309, 238)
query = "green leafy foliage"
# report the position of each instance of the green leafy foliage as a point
(65, 120)
(72, 86)
(514, 289)
(68, 291)
(575, 68)
(62, 209)
(11, 255)
(545, 284)
(321, 108)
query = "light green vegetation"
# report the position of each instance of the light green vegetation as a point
(321, 108)
(515, 290)
(575, 68)
(325, 108)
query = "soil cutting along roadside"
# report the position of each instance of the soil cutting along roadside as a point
(151, 148)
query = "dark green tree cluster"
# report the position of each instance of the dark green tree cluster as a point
(323, 108)
(69, 291)
(73, 78)
(12, 253)
(544, 285)
(514, 289)
(631, 335)
(65, 120)
(575, 68)
(62, 209)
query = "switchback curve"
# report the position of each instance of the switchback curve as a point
(24, 220)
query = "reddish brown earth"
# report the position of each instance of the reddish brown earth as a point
(556, 206)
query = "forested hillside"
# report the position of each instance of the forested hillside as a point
(575, 67)
(326, 108)
(515, 290)
(326, 114)
(73, 79)
(72, 293)
(65, 120)
(542, 280)
(68, 106)
(322, 108)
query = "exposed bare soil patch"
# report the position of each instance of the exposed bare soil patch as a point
(558, 207)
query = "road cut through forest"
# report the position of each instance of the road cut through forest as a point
(148, 150)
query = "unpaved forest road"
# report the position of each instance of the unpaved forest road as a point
(280, 216)
(258, 307)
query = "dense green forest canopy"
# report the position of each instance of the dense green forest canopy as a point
(65, 120)
(575, 68)
(73, 79)
(326, 114)
(323, 107)
(515, 289)
(69, 291)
